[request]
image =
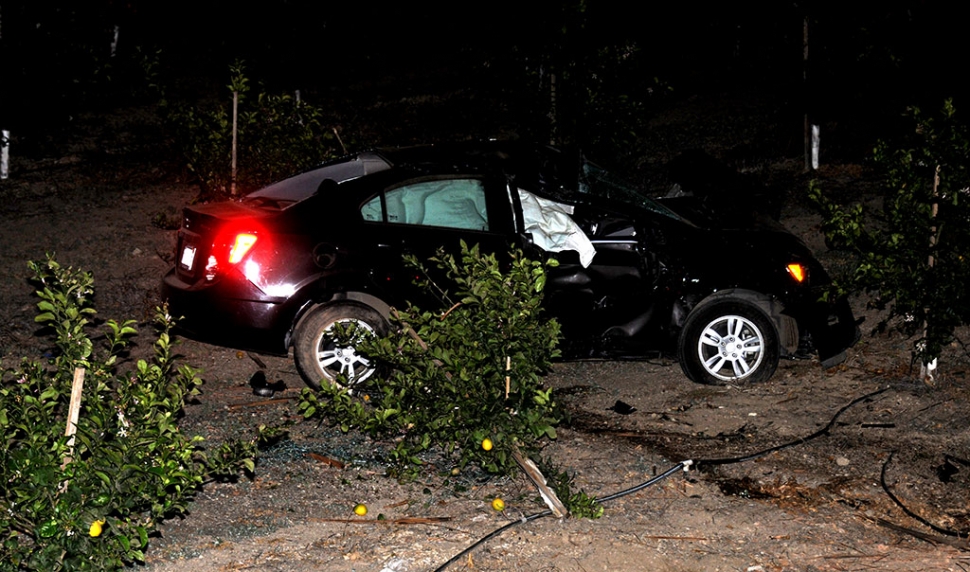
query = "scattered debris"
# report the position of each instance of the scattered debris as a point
(946, 471)
(622, 408)
(259, 363)
(379, 520)
(262, 387)
(273, 401)
(326, 460)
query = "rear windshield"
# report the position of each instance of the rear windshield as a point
(302, 186)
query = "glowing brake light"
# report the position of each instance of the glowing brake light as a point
(797, 271)
(229, 248)
(243, 243)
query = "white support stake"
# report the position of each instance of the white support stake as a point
(815, 146)
(927, 372)
(4, 154)
(114, 40)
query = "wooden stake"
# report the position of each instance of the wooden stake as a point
(547, 494)
(339, 140)
(508, 382)
(928, 370)
(235, 131)
(74, 413)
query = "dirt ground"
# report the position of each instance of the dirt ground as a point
(101, 202)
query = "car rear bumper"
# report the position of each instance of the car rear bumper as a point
(209, 315)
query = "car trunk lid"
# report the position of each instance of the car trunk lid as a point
(210, 235)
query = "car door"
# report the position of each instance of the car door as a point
(610, 307)
(421, 215)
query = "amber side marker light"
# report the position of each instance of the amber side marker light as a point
(798, 272)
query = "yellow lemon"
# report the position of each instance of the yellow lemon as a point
(96, 528)
(487, 444)
(498, 504)
(360, 509)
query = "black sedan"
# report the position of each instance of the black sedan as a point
(275, 271)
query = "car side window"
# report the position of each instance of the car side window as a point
(451, 203)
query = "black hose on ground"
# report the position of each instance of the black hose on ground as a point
(799, 441)
(683, 465)
(911, 514)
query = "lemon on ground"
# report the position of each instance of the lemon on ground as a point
(360, 509)
(95, 530)
(498, 504)
(487, 444)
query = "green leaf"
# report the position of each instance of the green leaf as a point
(44, 317)
(47, 529)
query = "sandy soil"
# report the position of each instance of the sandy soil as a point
(101, 204)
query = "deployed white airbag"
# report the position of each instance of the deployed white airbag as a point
(553, 228)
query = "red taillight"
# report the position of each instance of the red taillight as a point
(798, 272)
(241, 245)
(229, 249)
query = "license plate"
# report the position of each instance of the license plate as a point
(188, 256)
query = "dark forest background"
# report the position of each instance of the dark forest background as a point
(866, 64)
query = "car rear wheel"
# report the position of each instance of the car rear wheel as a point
(322, 356)
(728, 342)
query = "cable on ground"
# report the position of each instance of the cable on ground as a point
(685, 466)
(918, 518)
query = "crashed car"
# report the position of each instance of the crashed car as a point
(275, 271)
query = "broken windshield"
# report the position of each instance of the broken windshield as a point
(598, 182)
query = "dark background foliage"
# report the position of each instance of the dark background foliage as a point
(867, 63)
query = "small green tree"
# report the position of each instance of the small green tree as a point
(89, 502)
(277, 137)
(457, 378)
(914, 255)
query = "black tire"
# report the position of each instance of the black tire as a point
(319, 359)
(728, 342)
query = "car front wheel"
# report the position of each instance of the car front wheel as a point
(324, 354)
(728, 342)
